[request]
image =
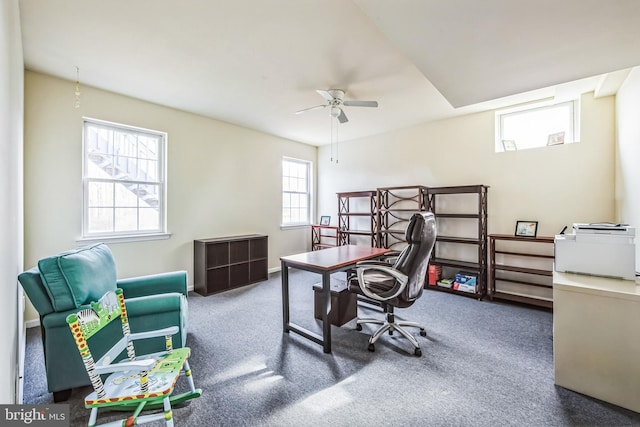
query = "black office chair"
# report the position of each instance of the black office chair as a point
(399, 284)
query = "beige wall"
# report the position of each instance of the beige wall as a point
(628, 152)
(11, 226)
(223, 180)
(556, 186)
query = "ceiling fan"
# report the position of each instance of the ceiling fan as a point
(335, 100)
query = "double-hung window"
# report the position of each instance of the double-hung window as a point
(538, 125)
(296, 192)
(124, 173)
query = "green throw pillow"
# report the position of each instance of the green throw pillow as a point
(79, 276)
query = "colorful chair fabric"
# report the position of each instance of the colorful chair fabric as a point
(137, 382)
(68, 282)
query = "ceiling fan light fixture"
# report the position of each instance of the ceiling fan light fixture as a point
(335, 100)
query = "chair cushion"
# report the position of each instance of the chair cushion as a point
(378, 282)
(74, 278)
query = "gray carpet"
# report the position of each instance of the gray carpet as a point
(483, 364)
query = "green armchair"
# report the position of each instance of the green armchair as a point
(68, 282)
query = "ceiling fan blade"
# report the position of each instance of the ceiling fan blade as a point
(311, 108)
(360, 103)
(325, 94)
(342, 118)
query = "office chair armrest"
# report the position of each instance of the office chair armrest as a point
(369, 263)
(172, 330)
(401, 280)
(391, 257)
(136, 365)
(386, 259)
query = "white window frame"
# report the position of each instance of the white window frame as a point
(309, 193)
(129, 235)
(500, 115)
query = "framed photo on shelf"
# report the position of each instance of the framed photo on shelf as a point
(325, 220)
(555, 139)
(526, 228)
(509, 145)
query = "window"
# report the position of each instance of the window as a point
(296, 192)
(123, 180)
(537, 126)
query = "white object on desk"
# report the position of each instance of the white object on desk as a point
(599, 252)
(596, 337)
(604, 228)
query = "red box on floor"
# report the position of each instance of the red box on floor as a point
(435, 274)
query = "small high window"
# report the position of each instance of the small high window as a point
(536, 126)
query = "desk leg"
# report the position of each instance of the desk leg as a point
(326, 326)
(285, 296)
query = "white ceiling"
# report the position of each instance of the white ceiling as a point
(255, 62)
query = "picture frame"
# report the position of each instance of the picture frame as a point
(555, 138)
(509, 145)
(325, 220)
(526, 228)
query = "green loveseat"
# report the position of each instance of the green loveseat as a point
(69, 281)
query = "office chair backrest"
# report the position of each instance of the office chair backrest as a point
(414, 259)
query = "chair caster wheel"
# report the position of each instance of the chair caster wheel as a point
(390, 332)
(371, 347)
(423, 333)
(417, 352)
(358, 327)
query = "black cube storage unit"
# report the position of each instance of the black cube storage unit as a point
(225, 263)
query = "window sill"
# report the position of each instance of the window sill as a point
(293, 226)
(124, 239)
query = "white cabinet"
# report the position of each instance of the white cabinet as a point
(596, 337)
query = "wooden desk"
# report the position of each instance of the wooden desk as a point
(596, 337)
(324, 262)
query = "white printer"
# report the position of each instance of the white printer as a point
(599, 249)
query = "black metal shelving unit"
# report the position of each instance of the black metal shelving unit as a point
(478, 266)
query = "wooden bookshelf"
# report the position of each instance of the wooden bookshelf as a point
(524, 268)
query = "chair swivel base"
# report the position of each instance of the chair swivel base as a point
(390, 324)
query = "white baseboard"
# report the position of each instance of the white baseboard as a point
(32, 323)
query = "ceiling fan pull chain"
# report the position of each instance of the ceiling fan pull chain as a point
(331, 136)
(337, 139)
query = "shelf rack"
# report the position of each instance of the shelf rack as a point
(358, 220)
(324, 236)
(396, 205)
(531, 283)
(477, 266)
(383, 214)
